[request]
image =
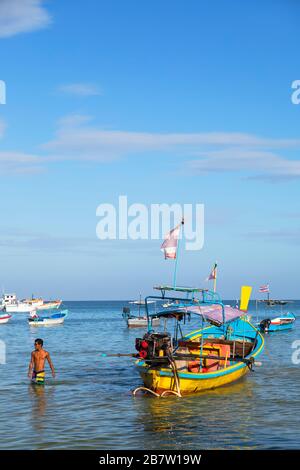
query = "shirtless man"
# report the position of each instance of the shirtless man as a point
(36, 370)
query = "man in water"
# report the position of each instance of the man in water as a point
(36, 368)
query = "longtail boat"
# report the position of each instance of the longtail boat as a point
(283, 322)
(221, 351)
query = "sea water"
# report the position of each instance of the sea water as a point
(89, 405)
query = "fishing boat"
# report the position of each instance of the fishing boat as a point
(283, 322)
(268, 301)
(50, 305)
(4, 318)
(54, 319)
(272, 302)
(209, 357)
(140, 320)
(223, 349)
(11, 304)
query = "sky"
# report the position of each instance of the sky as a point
(164, 102)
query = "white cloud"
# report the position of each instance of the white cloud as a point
(258, 163)
(20, 16)
(215, 152)
(76, 139)
(20, 163)
(73, 120)
(281, 235)
(81, 89)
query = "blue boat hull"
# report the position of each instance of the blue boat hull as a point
(282, 323)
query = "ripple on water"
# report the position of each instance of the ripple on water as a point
(89, 404)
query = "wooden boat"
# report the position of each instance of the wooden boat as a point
(4, 318)
(50, 305)
(207, 358)
(55, 319)
(139, 321)
(272, 302)
(283, 322)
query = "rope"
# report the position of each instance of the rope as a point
(145, 389)
(175, 373)
(171, 392)
(165, 392)
(157, 395)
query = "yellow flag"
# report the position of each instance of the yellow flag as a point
(245, 297)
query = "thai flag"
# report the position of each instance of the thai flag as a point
(264, 288)
(169, 246)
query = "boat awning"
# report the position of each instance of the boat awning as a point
(212, 313)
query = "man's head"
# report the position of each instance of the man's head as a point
(38, 344)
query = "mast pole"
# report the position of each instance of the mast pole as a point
(177, 256)
(215, 279)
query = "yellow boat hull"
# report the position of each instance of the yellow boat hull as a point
(154, 380)
(160, 379)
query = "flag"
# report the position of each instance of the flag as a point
(264, 288)
(169, 246)
(213, 274)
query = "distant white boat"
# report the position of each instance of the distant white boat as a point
(11, 304)
(141, 302)
(50, 305)
(139, 321)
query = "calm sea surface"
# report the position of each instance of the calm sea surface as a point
(89, 405)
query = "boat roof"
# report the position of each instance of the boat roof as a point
(212, 313)
(179, 289)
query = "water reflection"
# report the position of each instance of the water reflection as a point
(192, 420)
(40, 396)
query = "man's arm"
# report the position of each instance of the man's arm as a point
(50, 364)
(31, 363)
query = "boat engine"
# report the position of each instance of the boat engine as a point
(264, 325)
(153, 345)
(126, 312)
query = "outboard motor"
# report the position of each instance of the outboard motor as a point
(126, 312)
(264, 325)
(153, 345)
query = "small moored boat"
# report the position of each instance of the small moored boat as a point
(140, 321)
(55, 319)
(283, 322)
(4, 318)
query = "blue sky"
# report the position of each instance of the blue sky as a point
(165, 102)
